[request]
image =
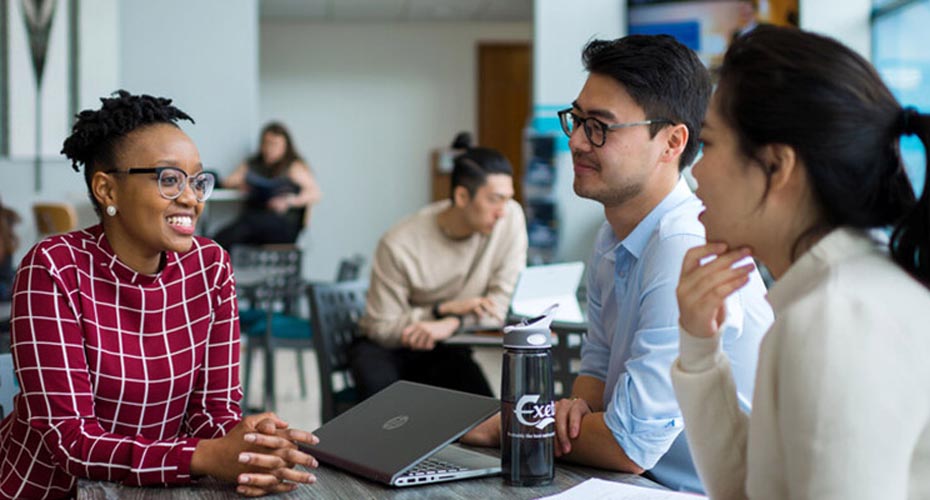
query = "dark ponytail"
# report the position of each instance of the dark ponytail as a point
(910, 241)
(810, 92)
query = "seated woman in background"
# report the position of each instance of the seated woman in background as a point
(802, 170)
(8, 244)
(125, 335)
(280, 189)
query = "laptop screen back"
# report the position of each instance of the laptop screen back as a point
(397, 427)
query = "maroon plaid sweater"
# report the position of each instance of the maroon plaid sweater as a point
(120, 373)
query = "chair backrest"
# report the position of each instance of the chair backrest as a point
(8, 386)
(53, 218)
(335, 311)
(271, 273)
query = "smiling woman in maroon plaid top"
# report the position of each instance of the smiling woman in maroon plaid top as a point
(125, 335)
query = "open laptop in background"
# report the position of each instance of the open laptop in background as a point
(538, 288)
(402, 436)
(541, 286)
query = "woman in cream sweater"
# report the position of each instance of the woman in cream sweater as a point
(802, 170)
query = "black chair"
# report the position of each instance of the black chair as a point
(350, 268)
(269, 281)
(336, 309)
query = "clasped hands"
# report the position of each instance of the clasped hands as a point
(423, 335)
(260, 454)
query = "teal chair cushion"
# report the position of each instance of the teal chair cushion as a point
(247, 317)
(282, 326)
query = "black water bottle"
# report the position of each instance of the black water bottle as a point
(527, 406)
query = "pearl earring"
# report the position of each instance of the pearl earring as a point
(111, 210)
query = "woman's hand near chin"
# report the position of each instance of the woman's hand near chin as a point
(707, 279)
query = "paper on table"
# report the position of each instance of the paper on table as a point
(599, 489)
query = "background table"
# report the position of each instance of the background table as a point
(333, 483)
(566, 350)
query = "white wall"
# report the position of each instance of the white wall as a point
(561, 30)
(203, 55)
(366, 103)
(846, 20)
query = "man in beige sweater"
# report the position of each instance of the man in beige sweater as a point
(454, 261)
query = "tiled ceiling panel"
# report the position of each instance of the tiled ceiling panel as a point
(397, 10)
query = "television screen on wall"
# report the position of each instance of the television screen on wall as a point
(707, 26)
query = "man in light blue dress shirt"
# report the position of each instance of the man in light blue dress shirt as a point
(632, 128)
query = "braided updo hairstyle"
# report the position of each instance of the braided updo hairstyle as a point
(97, 134)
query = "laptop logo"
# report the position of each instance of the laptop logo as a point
(395, 422)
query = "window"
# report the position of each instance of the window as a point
(904, 63)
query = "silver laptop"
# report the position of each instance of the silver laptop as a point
(538, 288)
(402, 436)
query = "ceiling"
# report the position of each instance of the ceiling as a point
(352, 11)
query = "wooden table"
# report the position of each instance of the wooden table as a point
(335, 484)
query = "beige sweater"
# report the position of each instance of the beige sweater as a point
(842, 401)
(416, 266)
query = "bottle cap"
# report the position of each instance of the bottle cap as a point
(531, 333)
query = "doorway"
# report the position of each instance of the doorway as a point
(504, 101)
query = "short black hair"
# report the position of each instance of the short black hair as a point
(462, 141)
(96, 134)
(663, 77)
(473, 167)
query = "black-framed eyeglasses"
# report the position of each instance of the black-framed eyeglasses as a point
(594, 129)
(172, 181)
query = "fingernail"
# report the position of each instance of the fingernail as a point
(314, 439)
(244, 479)
(249, 438)
(311, 478)
(244, 458)
(241, 490)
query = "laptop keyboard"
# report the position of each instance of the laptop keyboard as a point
(432, 466)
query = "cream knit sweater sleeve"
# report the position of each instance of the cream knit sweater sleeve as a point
(715, 426)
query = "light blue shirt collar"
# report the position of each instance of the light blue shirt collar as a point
(636, 241)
